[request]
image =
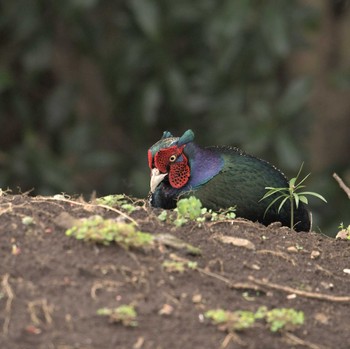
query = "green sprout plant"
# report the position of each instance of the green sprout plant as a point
(105, 231)
(124, 314)
(119, 200)
(284, 318)
(293, 193)
(27, 220)
(278, 319)
(178, 266)
(187, 209)
(222, 215)
(190, 209)
(231, 321)
(344, 232)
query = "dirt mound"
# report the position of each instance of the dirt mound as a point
(53, 285)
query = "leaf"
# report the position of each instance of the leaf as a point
(147, 15)
(282, 203)
(303, 180)
(228, 21)
(300, 169)
(273, 201)
(313, 194)
(303, 199)
(163, 216)
(275, 30)
(272, 191)
(294, 98)
(296, 199)
(292, 182)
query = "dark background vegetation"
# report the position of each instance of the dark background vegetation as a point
(86, 86)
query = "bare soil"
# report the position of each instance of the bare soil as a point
(52, 285)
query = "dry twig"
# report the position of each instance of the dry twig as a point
(342, 184)
(261, 284)
(46, 309)
(278, 254)
(298, 341)
(232, 337)
(10, 296)
(319, 296)
(108, 285)
(235, 285)
(85, 204)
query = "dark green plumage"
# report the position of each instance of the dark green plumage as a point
(220, 177)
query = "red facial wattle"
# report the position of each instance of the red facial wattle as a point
(178, 170)
(179, 173)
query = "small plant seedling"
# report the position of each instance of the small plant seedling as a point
(231, 321)
(284, 319)
(278, 319)
(178, 266)
(173, 266)
(190, 209)
(119, 200)
(344, 232)
(292, 194)
(299, 247)
(163, 216)
(105, 231)
(224, 214)
(27, 220)
(124, 314)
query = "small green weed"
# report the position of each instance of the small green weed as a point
(278, 319)
(299, 247)
(190, 209)
(225, 214)
(231, 321)
(163, 216)
(106, 231)
(284, 318)
(125, 314)
(344, 231)
(178, 266)
(291, 193)
(27, 220)
(120, 200)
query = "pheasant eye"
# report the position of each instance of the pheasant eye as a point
(172, 158)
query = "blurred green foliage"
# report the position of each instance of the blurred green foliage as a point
(86, 86)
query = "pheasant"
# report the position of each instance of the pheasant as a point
(221, 177)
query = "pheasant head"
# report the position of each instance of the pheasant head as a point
(167, 158)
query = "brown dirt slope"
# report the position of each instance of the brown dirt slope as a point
(52, 285)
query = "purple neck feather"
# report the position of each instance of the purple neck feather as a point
(204, 163)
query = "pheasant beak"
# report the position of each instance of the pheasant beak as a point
(156, 178)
